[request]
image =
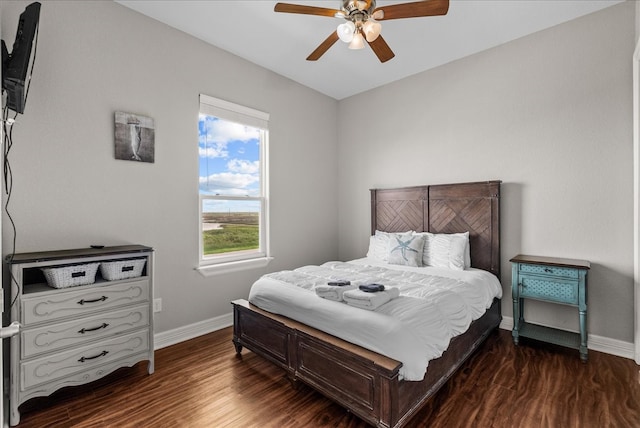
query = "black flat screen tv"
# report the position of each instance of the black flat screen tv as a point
(16, 66)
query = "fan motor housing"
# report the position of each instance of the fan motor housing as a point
(351, 6)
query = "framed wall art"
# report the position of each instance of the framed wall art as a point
(134, 137)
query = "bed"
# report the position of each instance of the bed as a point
(365, 382)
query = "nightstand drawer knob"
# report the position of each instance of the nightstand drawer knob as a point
(548, 270)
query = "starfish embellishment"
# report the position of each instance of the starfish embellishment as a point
(403, 247)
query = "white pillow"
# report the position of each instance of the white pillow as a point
(467, 248)
(379, 245)
(406, 249)
(377, 248)
(446, 250)
(426, 253)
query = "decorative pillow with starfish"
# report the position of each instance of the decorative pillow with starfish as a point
(406, 249)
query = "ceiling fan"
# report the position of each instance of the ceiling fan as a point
(361, 22)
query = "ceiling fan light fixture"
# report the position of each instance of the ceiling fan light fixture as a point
(371, 29)
(357, 42)
(346, 31)
(360, 21)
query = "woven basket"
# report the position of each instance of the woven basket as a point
(71, 276)
(122, 269)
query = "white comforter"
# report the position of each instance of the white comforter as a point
(434, 306)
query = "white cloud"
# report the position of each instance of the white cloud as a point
(219, 133)
(229, 183)
(222, 131)
(243, 166)
(213, 151)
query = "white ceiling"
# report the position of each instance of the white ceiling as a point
(281, 41)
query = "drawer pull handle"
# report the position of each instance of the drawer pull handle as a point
(84, 330)
(100, 299)
(101, 354)
(548, 270)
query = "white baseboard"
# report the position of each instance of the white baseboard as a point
(180, 334)
(597, 343)
(172, 337)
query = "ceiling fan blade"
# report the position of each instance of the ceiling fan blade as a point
(324, 46)
(305, 10)
(415, 9)
(381, 49)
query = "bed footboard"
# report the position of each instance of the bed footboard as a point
(360, 380)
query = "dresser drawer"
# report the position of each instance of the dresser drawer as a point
(52, 337)
(564, 272)
(555, 290)
(52, 367)
(82, 301)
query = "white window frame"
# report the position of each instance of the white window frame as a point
(236, 261)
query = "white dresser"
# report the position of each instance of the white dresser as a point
(73, 335)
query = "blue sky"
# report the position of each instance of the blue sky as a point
(229, 156)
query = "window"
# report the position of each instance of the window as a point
(232, 183)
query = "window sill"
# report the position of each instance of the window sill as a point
(236, 266)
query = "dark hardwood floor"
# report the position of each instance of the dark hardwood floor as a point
(201, 383)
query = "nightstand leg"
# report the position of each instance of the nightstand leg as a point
(583, 335)
(521, 312)
(517, 310)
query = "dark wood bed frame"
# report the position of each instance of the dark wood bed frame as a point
(364, 382)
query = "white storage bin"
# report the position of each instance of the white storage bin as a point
(71, 275)
(122, 269)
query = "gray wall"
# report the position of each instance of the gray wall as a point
(551, 116)
(98, 57)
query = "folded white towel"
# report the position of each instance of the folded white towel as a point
(364, 300)
(333, 292)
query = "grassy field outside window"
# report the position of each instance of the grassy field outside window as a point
(231, 232)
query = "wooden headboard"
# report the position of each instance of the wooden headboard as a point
(445, 208)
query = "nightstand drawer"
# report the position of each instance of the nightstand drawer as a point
(554, 290)
(549, 270)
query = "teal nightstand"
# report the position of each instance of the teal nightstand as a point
(554, 280)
